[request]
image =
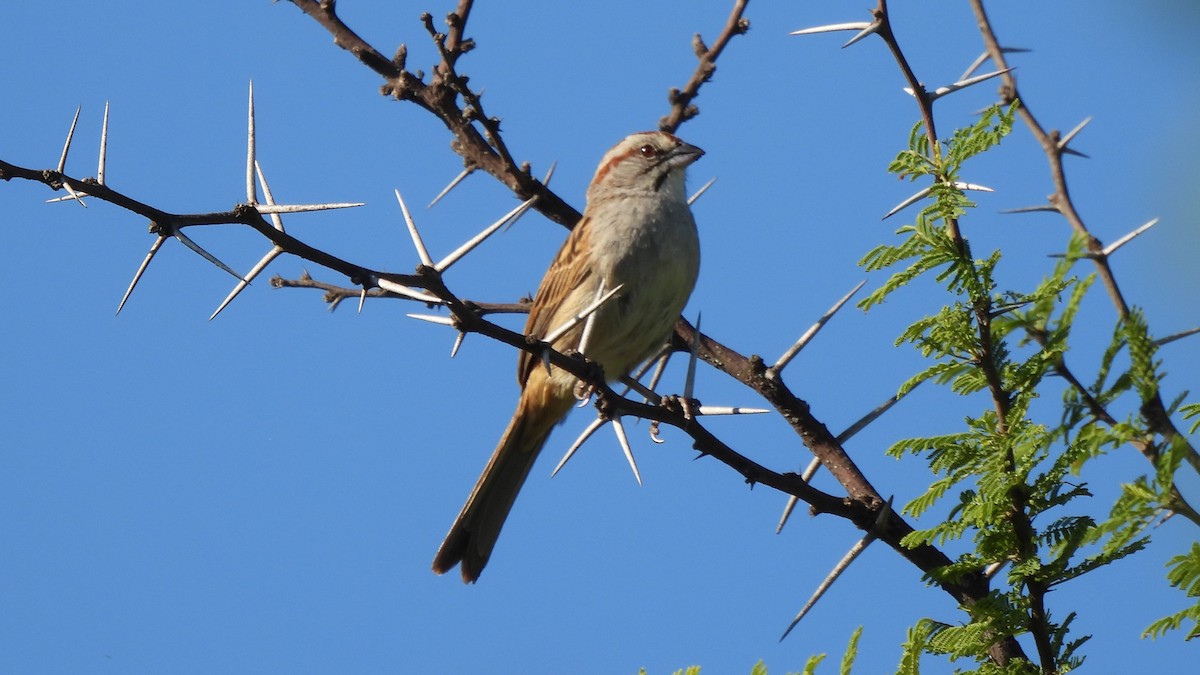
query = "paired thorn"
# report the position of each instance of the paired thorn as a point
(458, 340)
(1070, 135)
(267, 259)
(864, 29)
(809, 334)
(62, 160)
(855, 551)
(924, 192)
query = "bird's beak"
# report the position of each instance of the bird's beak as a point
(684, 154)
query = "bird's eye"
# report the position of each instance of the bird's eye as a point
(648, 151)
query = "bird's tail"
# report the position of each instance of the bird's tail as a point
(474, 532)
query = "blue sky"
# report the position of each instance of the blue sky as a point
(265, 492)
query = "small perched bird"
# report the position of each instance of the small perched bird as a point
(637, 232)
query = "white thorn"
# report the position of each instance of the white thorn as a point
(833, 27)
(585, 337)
(972, 186)
(276, 220)
(703, 188)
(74, 194)
(624, 441)
(1112, 248)
(199, 250)
(646, 392)
(362, 299)
(814, 329)
(806, 476)
(241, 285)
(433, 318)
(103, 147)
(267, 209)
(137, 276)
(961, 84)
(457, 343)
(1062, 143)
(729, 410)
(869, 30)
(412, 231)
(923, 193)
(251, 194)
(689, 382)
(470, 245)
(453, 184)
(587, 433)
(843, 565)
(398, 289)
(549, 173)
(583, 314)
(62, 160)
(659, 369)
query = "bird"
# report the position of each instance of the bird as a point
(637, 233)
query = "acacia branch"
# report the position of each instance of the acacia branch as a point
(682, 108)
(1154, 409)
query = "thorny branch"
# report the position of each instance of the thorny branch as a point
(1055, 146)
(478, 140)
(441, 96)
(682, 108)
